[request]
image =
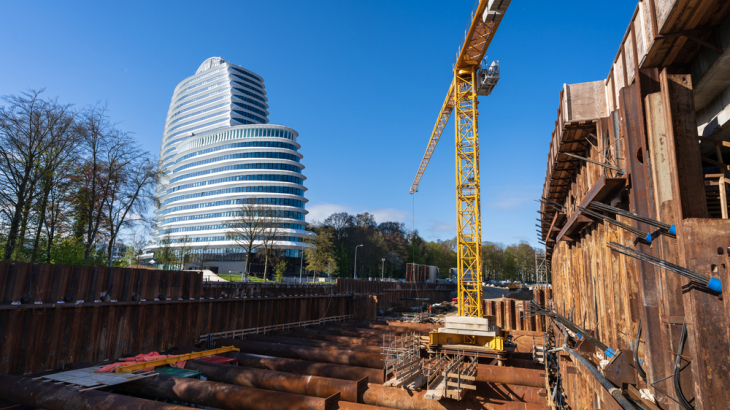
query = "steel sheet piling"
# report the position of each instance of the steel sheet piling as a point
(314, 343)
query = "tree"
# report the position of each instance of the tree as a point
(132, 191)
(136, 243)
(271, 234)
(251, 226)
(183, 251)
(110, 155)
(165, 253)
(320, 256)
(279, 270)
(35, 137)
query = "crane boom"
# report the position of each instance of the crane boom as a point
(441, 121)
(462, 98)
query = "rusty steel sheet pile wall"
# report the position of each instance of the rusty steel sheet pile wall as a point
(509, 313)
(393, 294)
(39, 334)
(646, 126)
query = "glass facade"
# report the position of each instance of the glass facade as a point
(221, 115)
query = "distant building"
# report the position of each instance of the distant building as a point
(218, 149)
(118, 249)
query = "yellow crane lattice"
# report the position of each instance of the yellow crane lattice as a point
(462, 98)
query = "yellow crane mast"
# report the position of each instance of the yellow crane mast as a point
(471, 78)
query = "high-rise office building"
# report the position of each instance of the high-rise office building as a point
(219, 151)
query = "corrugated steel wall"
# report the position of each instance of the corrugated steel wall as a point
(53, 315)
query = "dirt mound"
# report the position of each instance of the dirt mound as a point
(521, 294)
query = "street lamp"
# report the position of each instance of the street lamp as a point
(301, 262)
(355, 276)
(382, 270)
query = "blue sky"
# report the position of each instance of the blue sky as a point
(361, 81)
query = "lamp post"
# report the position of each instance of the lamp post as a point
(301, 262)
(382, 270)
(355, 275)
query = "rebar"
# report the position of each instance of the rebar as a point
(553, 202)
(641, 234)
(550, 205)
(710, 282)
(580, 333)
(672, 229)
(617, 169)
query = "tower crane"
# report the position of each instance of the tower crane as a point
(472, 78)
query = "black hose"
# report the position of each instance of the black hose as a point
(637, 364)
(677, 367)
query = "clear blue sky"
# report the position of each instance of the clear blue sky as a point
(362, 82)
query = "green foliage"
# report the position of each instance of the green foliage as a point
(515, 261)
(236, 277)
(279, 269)
(70, 251)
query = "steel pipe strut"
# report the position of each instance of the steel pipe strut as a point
(50, 396)
(419, 327)
(314, 343)
(402, 399)
(344, 357)
(612, 390)
(510, 375)
(279, 381)
(222, 396)
(309, 368)
(329, 338)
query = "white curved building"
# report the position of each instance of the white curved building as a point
(218, 150)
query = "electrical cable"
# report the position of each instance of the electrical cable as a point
(677, 367)
(637, 364)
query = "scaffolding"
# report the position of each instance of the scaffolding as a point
(450, 375)
(402, 360)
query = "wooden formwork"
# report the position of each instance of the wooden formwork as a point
(649, 129)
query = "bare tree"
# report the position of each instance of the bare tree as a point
(35, 137)
(109, 153)
(131, 192)
(271, 235)
(251, 227)
(183, 251)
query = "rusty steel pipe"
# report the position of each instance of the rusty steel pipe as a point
(343, 405)
(306, 367)
(510, 375)
(516, 405)
(344, 357)
(280, 381)
(314, 343)
(354, 332)
(512, 392)
(328, 338)
(423, 327)
(222, 396)
(366, 331)
(50, 396)
(378, 395)
(375, 340)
